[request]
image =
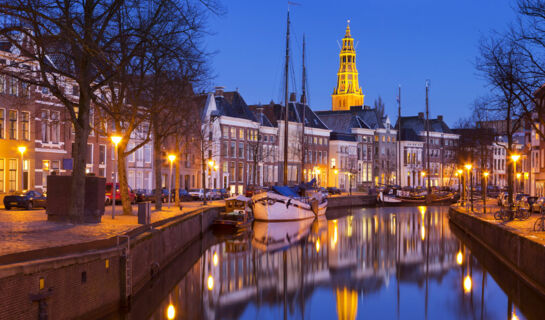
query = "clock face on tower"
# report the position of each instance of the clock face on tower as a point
(348, 92)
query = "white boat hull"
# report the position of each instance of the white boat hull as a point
(270, 206)
(272, 236)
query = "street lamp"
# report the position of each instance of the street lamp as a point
(460, 173)
(22, 150)
(485, 174)
(116, 140)
(171, 158)
(468, 167)
(423, 175)
(515, 157)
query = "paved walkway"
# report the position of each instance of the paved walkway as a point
(23, 230)
(524, 228)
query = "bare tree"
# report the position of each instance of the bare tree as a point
(85, 45)
(379, 106)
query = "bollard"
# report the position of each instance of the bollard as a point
(144, 212)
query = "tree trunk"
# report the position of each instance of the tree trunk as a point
(157, 164)
(122, 178)
(79, 152)
(203, 165)
(177, 173)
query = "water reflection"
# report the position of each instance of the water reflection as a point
(385, 263)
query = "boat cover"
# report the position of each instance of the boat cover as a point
(285, 191)
(239, 198)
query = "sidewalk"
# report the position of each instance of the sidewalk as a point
(22, 230)
(524, 228)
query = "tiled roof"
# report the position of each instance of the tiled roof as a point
(275, 113)
(342, 136)
(231, 104)
(356, 117)
(412, 127)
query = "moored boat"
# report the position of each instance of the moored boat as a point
(285, 203)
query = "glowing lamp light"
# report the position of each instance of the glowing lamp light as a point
(459, 258)
(211, 163)
(215, 259)
(485, 174)
(21, 149)
(526, 175)
(318, 245)
(518, 175)
(336, 171)
(115, 139)
(171, 157)
(459, 171)
(456, 174)
(468, 166)
(422, 233)
(514, 316)
(423, 173)
(171, 312)
(467, 284)
(210, 283)
(515, 157)
(216, 167)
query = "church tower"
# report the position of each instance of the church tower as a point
(348, 92)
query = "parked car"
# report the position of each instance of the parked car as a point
(164, 195)
(215, 194)
(252, 190)
(109, 187)
(198, 194)
(143, 195)
(224, 193)
(538, 204)
(28, 200)
(333, 190)
(183, 195)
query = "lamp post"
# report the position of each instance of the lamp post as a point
(468, 168)
(116, 140)
(423, 174)
(171, 158)
(514, 157)
(22, 150)
(460, 173)
(336, 172)
(485, 174)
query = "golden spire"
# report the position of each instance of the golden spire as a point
(348, 92)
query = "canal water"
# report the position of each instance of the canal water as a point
(366, 263)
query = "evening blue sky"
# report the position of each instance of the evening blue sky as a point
(399, 42)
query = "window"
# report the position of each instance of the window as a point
(232, 171)
(241, 150)
(2, 123)
(55, 127)
(233, 133)
(12, 177)
(225, 132)
(140, 155)
(12, 84)
(139, 180)
(147, 175)
(25, 90)
(75, 90)
(2, 84)
(131, 179)
(241, 134)
(147, 153)
(25, 118)
(240, 172)
(89, 155)
(45, 90)
(225, 149)
(13, 124)
(232, 152)
(45, 126)
(130, 146)
(2, 175)
(102, 154)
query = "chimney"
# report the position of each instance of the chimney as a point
(293, 97)
(440, 117)
(219, 92)
(421, 115)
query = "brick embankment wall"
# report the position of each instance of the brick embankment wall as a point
(351, 201)
(523, 256)
(91, 284)
(527, 299)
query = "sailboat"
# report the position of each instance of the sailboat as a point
(284, 203)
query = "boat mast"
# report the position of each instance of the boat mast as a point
(428, 139)
(399, 136)
(286, 67)
(304, 102)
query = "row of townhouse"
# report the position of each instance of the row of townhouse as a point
(356, 147)
(31, 117)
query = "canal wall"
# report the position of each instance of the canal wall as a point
(351, 201)
(93, 283)
(523, 256)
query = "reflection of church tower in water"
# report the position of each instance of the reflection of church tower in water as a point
(347, 303)
(348, 92)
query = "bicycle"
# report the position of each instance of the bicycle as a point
(539, 225)
(504, 214)
(510, 213)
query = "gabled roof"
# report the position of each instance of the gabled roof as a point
(357, 117)
(342, 136)
(413, 127)
(275, 113)
(231, 104)
(261, 116)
